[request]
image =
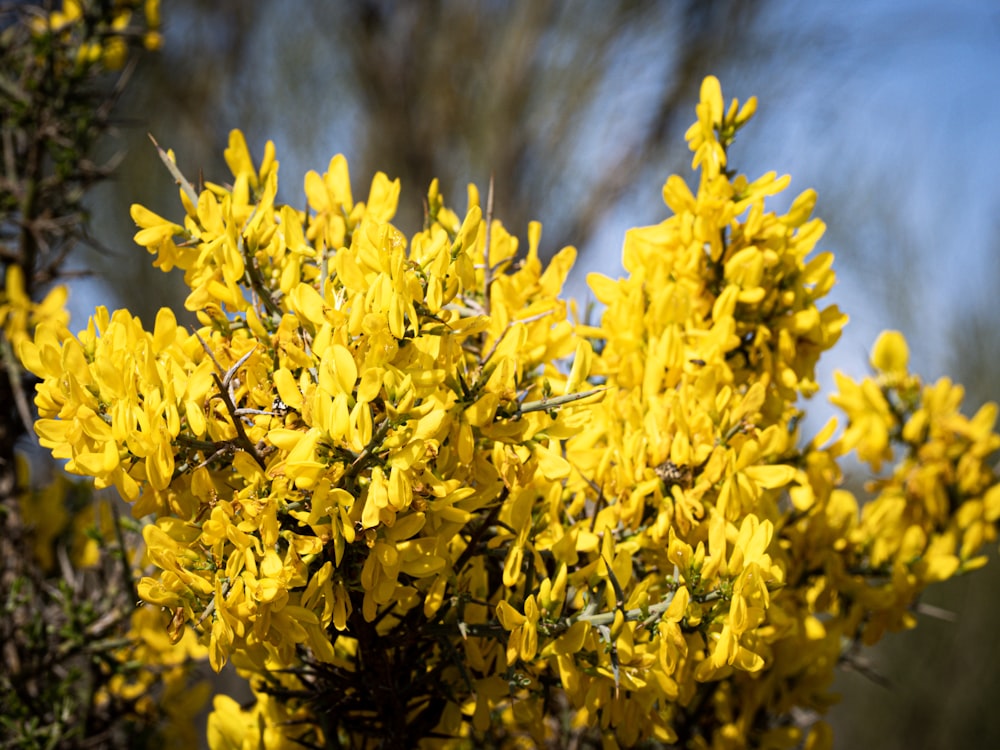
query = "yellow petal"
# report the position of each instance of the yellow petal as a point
(345, 368)
(288, 389)
(551, 463)
(711, 95)
(382, 198)
(308, 304)
(771, 477)
(890, 353)
(509, 617)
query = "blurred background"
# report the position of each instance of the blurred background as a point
(889, 109)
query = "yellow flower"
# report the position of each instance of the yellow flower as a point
(20, 315)
(522, 642)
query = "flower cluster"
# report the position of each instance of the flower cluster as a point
(408, 494)
(99, 37)
(20, 315)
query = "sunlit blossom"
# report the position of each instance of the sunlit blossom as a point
(369, 434)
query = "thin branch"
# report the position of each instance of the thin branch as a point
(551, 403)
(244, 439)
(179, 178)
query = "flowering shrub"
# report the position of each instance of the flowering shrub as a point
(412, 497)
